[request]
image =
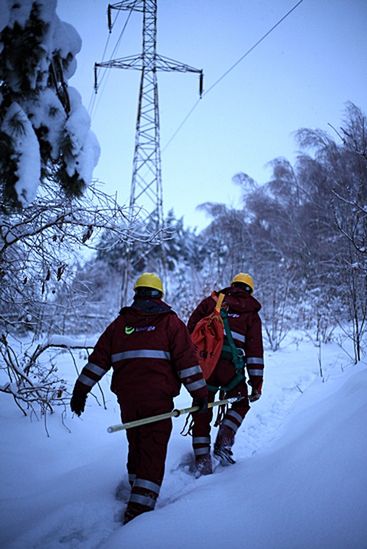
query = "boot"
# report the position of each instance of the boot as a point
(142, 499)
(203, 465)
(203, 460)
(132, 512)
(223, 445)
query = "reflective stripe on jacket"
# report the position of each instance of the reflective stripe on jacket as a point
(150, 353)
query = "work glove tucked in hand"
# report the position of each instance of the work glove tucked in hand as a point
(77, 402)
(202, 403)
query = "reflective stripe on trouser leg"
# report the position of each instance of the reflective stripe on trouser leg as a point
(202, 451)
(200, 440)
(144, 501)
(201, 446)
(230, 424)
(147, 485)
(233, 420)
(145, 493)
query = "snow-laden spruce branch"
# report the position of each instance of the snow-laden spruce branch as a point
(44, 128)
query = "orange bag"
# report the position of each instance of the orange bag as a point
(208, 336)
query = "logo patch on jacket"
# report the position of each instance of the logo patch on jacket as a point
(130, 329)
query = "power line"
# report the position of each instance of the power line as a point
(252, 47)
(93, 101)
(229, 70)
(93, 93)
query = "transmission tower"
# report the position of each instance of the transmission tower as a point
(146, 193)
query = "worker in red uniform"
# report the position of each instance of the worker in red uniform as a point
(245, 340)
(151, 353)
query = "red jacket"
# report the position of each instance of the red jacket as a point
(245, 324)
(151, 353)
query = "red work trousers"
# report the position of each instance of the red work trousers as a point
(236, 413)
(148, 443)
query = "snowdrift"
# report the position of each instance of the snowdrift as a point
(309, 490)
(299, 482)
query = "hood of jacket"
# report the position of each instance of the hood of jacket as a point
(239, 300)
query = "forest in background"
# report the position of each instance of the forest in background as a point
(64, 242)
(302, 235)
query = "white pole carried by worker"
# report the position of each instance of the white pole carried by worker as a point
(173, 413)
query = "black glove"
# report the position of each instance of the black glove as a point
(77, 402)
(202, 403)
(254, 396)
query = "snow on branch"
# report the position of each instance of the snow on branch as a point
(44, 128)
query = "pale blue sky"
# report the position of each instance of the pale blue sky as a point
(300, 76)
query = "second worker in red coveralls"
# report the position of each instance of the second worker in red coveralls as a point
(151, 353)
(245, 328)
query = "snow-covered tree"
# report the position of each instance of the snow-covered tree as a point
(302, 234)
(176, 246)
(44, 128)
(39, 250)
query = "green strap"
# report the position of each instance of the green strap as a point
(237, 358)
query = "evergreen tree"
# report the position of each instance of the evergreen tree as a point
(44, 129)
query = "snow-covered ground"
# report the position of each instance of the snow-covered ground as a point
(300, 480)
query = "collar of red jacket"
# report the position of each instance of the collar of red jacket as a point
(148, 305)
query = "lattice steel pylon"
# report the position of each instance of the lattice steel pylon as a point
(146, 192)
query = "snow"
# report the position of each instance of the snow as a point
(69, 341)
(299, 481)
(18, 12)
(85, 148)
(28, 165)
(47, 111)
(66, 41)
(4, 22)
(58, 42)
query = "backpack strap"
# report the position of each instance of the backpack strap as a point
(237, 353)
(237, 357)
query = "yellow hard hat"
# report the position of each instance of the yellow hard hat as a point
(149, 280)
(244, 278)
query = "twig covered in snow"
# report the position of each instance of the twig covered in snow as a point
(34, 380)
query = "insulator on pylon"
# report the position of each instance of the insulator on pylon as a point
(95, 78)
(201, 84)
(109, 19)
